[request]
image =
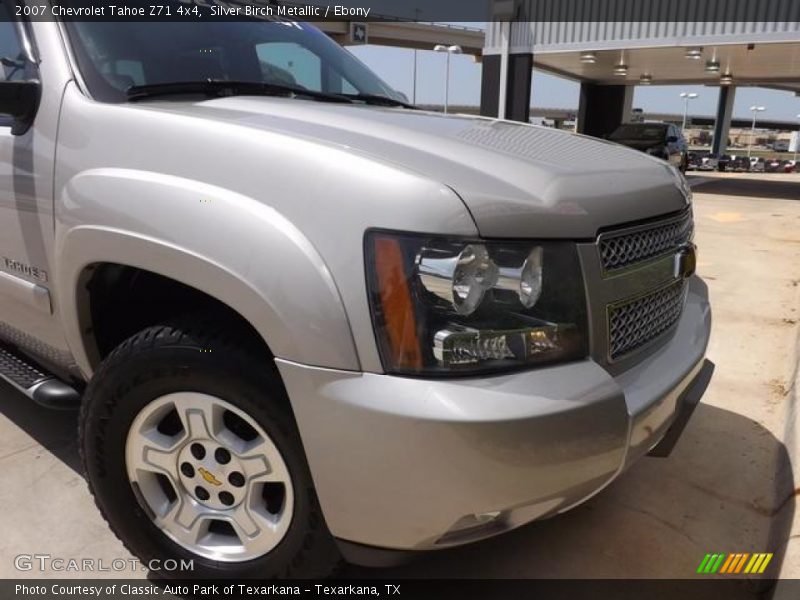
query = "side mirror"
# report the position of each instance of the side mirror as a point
(20, 100)
(672, 139)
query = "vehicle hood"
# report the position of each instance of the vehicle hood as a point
(640, 144)
(516, 180)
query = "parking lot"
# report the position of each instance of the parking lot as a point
(756, 161)
(729, 486)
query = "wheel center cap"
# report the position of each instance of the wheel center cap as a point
(211, 474)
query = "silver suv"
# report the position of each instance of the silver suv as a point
(304, 320)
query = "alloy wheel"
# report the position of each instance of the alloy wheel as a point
(209, 477)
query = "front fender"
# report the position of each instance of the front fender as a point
(232, 247)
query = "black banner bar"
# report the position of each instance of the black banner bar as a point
(731, 588)
(563, 11)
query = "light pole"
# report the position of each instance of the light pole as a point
(755, 109)
(449, 50)
(414, 86)
(686, 97)
(796, 142)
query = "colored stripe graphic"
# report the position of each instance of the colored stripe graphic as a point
(740, 564)
(704, 563)
(763, 566)
(754, 562)
(735, 564)
(717, 563)
(710, 563)
(727, 564)
(730, 566)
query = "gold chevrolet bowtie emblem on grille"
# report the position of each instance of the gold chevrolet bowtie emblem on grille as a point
(686, 261)
(209, 477)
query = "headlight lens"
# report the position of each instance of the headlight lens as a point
(460, 279)
(444, 306)
(526, 280)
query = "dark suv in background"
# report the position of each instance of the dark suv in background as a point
(663, 140)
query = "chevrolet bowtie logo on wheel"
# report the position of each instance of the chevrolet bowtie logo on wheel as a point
(209, 477)
(735, 564)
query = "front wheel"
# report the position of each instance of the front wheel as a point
(191, 452)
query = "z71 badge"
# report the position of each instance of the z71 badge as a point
(27, 270)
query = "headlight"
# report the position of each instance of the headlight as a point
(460, 279)
(444, 306)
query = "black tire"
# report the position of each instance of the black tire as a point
(164, 359)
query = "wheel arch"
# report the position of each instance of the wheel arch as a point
(274, 325)
(109, 291)
(235, 249)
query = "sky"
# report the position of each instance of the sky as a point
(395, 66)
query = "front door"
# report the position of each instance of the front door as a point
(26, 211)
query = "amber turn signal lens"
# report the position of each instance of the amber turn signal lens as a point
(396, 306)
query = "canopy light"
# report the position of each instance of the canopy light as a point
(588, 58)
(449, 49)
(712, 66)
(621, 70)
(726, 79)
(694, 53)
(646, 79)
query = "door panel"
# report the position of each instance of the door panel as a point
(26, 213)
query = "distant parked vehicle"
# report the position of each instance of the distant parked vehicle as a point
(790, 166)
(757, 164)
(739, 164)
(693, 161)
(709, 162)
(723, 162)
(663, 140)
(773, 165)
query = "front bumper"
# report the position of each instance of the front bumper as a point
(407, 463)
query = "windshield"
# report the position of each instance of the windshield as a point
(639, 132)
(114, 57)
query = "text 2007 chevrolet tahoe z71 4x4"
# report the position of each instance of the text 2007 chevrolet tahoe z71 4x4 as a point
(303, 319)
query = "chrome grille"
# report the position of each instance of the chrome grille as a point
(619, 250)
(635, 323)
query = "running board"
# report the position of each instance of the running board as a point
(41, 387)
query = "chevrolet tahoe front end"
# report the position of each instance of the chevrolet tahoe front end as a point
(305, 316)
(483, 421)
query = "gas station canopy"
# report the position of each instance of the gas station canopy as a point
(612, 46)
(766, 64)
(743, 53)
